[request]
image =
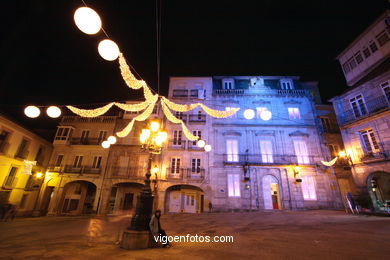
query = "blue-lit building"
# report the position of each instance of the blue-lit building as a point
(271, 161)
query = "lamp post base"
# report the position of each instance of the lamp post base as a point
(133, 239)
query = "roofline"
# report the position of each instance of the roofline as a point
(380, 17)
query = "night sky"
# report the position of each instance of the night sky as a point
(46, 60)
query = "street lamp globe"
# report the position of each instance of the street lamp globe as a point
(201, 143)
(111, 139)
(106, 144)
(249, 114)
(32, 111)
(53, 111)
(87, 20)
(108, 50)
(266, 115)
(154, 126)
(207, 148)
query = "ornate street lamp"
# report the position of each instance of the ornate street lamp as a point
(152, 141)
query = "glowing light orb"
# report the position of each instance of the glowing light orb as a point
(106, 144)
(154, 126)
(163, 136)
(108, 49)
(87, 20)
(32, 111)
(249, 114)
(111, 139)
(207, 148)
(266, 115)
(53, 111)
(39, 175)
(201, 143)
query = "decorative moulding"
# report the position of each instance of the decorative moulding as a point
(261, 101)
(299, 133)
(230, 101)
(292, 102)
(232, 133)
(265, 132)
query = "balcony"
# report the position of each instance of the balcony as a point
(79, 119)
(79, 170)
(180, 93)
(175, 174)
(196, 174)
(128, 172)
(197, 119)
(86, 141)
(176, 144)
(372, 107)
(193, 146)
(269, 159)
(293, 92)
(369, 157)
(229, 92)
(274, 92)
(330, 129)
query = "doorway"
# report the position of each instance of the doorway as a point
(271, 193)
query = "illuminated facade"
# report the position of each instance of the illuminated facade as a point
(20, 186)
(363, 111)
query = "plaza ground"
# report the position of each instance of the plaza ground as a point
(319, 234)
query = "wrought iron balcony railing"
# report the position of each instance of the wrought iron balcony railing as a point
(174, 173)
(127, 172)
(86, 141)
(177, 144)
(74, 169)
(197, 119)
(193, 146)
(373, 157)
(269, 159)
(371, 106)
(79, 119)
(180, 93)
(195, 173)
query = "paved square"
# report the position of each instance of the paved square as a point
(257, 235)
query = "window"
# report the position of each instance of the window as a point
(3, 141)
(102, 136)
(63, 133)
(39, 157)
(382, 38)
(11, 177)
(366, 52)
(386, 89)
(346, 67)
(179, 115)
(97, 162)
(234, 185)
(358, 57)
(358, 106)
(286, 84)
(59, 159)
(177, 137)
(228, 84)
(308, 188)
(352, 63)
(175, 165)
(266, 151)
(369, 141)
(334, 149)
(230, 108)
(77, 188)
(22, 151)
(293, 113)
(195, 165)
(326, 123)
(232, 150)
(301, 152)
(23, 201)
(84, 136)
(78, 160)
(199, 115)
(197, 133)
(373, 47)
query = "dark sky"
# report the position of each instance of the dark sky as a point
(46, 60)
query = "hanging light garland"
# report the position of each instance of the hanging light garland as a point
(91, 112)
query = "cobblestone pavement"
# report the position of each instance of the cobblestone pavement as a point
(316, 234)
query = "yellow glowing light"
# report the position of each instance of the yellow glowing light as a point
(87, 20)
(32, 111)
(154, 126)
(106, 144)
(91, 112)
(155, 169)
(342, 154)
(108, 49)
(207, 148)
(39, 175)
(111, 139)
(297, 169)
(249, 114)
(201, 143)
(163, 135)
(266, 115)
(53, 111)
(159, 140)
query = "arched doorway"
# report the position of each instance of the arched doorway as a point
(123, 197)
(78, 198)
(184, 199)
(379, 189)
(271, 192)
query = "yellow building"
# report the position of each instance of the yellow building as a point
(19, 148)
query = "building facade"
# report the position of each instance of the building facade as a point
(363, 112)
(24, 157)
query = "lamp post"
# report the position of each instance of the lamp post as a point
(151, 141)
